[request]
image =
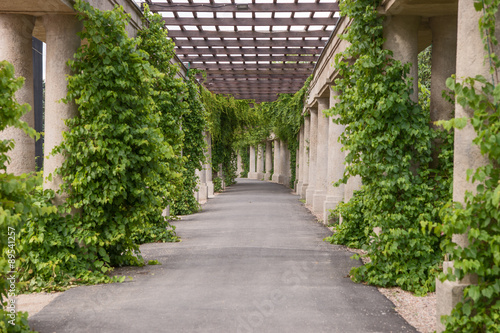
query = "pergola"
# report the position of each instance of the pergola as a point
(252, 50)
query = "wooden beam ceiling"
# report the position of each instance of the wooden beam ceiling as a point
(252, 51)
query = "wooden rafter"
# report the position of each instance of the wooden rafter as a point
(253, 51)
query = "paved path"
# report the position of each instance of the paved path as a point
(252, 261)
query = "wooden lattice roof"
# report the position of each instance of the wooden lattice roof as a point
(251, 50)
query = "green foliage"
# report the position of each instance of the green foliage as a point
(424, 78)
(388, 138)
(120, 187)
(479, 216)
(193, 124)
(169, 97)
(354, 232)
(284, 118)
(245, 161)
(15, 200)
(228, 118)
(217, 184)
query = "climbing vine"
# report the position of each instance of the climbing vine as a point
(227, 118)
(479, 216)
(15, 202)
(120, 187)
(388, 139)
(194, 123)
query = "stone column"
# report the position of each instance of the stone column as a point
(276, 166)
(269, 159)
(282, 162)
(62, 43)
(401, 35)
(305, 158)
(470, 62)
(16, 47)
(251, 173)
(203, 188)
(444, 50)
(336, 158)
(321, 157)
(298, 169)
(260, 162)
(239, 167)
(208, 167)
(313, 135)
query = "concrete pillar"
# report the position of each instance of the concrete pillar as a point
(239, 165)
(336, 158)
(313, 135)
(251, 173)
(444, 50)
(269, 160)
(16, 47)
(321, 157)
(62, 42)
(203, 188)
(260, 162)
(298, 169)
(401, 35)
(208, 167)
(283, 163)
(276, 165)
(305, 158)
(470, 62)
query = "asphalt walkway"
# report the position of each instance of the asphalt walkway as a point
(253, 260)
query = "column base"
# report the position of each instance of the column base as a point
(310, 195)
(448, 294)
(260, 175)
(276, 178)
(302, 192)
(318, 201)
(331, 202)
(166, 212)
(252, 175)
(210, 190)
(298, 187)
(202, 193)
(267, 176)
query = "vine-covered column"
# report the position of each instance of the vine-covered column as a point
(252, 174)
(470, 62)
(321, 156)
(276, 162)
(401, 37)
(336, 159)
(313, 135)
(260, 161)
(269, 159)
(16, 40)
(208, 166)
(62, 43)
(239, 166)
(298, 161)
(302, 188)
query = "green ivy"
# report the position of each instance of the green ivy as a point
(479, 216)
(16, 205)
(227, 118)
(388, 138)
(120, 187)
(194, 123)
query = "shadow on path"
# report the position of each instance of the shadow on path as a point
(252, 261)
